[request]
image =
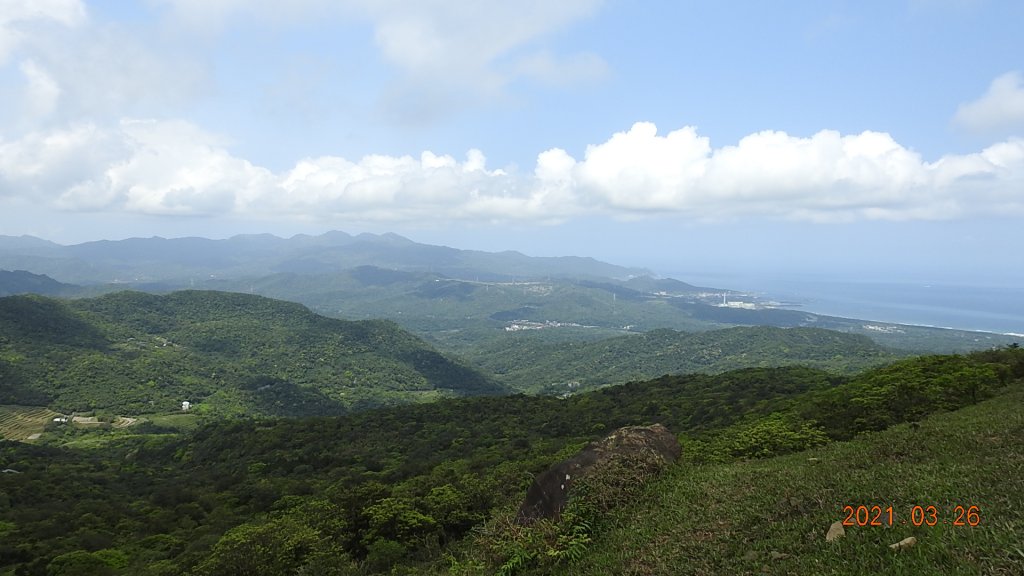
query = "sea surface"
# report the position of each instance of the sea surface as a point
(991, 308)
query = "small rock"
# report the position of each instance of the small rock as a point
(779, 555)
(904, 544)
(812, 460)
(835, 531)
(789, 504)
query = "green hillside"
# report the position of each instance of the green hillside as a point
(22, 282)
(476, 317)
(134, 353)
(745, 507)
(771, 516)
(446, 308)
(528, 361)
(430, 488)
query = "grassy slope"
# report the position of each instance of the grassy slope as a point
(728, 519)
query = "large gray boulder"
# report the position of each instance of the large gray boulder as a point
(631, 453)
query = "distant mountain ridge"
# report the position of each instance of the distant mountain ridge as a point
(181, 260)
(23, 282)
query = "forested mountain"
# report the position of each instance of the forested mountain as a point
(179, 261)
(22, 282)
(226, 353)
(400, 490)
(528, 362)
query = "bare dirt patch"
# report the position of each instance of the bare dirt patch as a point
(87, 420)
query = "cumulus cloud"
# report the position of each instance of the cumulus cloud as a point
(398, 188)
(170, 167)
(175, 168)
(999, 110)
(41, 164)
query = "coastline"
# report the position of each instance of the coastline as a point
(983, 309)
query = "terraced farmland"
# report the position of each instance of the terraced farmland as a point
(23, 422)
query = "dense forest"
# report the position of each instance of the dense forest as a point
(428, 488)
(533, 363)
(131, 353)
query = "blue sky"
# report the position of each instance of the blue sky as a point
(875, 139)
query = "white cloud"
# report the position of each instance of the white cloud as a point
(450, 52)
(999, 110)
(40, 165)
(74, 69)
(148, 167)
(472, 50)
(112, 72)
(430, 36)
(175, 168)
(396, 188)
(42, 91)
(824, 173)
(639, 170)
(18, 17)
(172, 168)
(826, 177)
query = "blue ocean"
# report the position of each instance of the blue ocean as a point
(992, 308)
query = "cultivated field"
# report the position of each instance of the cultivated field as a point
(24, 422)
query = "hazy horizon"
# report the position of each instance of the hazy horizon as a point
(944, 301)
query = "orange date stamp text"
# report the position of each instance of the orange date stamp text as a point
(917, 515)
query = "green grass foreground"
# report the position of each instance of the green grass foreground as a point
(740, 518)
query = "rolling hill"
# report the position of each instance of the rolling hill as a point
(136, 353)
(528, 362)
